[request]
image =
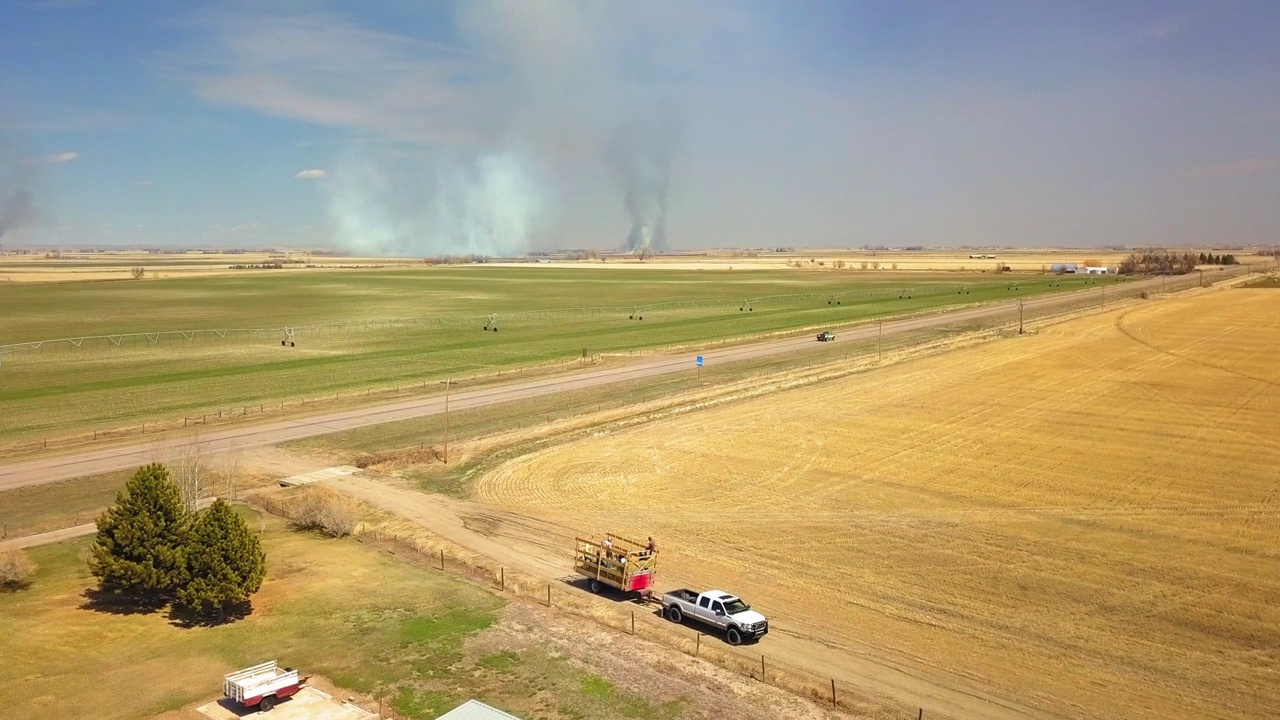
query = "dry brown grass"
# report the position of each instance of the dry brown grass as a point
(1084, 520)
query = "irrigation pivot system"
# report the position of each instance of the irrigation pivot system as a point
(289, 334)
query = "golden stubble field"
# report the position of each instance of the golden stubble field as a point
(1085, 520)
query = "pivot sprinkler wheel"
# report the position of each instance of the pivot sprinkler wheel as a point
(288, 338)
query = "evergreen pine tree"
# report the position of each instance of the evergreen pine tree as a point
(141, 543)
(225, 562)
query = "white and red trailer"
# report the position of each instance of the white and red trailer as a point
(262, 686)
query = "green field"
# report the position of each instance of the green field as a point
(382, 627)
(385, 328)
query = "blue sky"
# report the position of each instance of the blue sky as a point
(498, 126)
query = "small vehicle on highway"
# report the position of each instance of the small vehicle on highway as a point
(262, 686)
(826, 336)
(718, 609)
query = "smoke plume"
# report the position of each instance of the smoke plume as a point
(641, 154)
(17, 177)
(490, 204)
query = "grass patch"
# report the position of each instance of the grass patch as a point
(596, 687)
(450, 625)
(40, 508)
(370, 622)
(423, 704)
(503, 662)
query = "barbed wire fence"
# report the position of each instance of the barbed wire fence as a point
(215, 414)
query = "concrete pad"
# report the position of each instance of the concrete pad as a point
(307, 704)
(318, 475)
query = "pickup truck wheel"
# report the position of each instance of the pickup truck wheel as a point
(674, 614)
(594, 585)
(733, 635)
(266, 703)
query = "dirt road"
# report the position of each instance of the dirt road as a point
(122, 457)
(540, 548)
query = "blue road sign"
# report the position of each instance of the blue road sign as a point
(699, 361)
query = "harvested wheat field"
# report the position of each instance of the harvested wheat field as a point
(1085, 520)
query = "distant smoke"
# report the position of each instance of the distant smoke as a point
(489, 205)
(17, 177)
(641, 156)
(17, 208)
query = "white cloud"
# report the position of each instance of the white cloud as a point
(142, 183)
(64, 157)
(312, 174)
(325, 71)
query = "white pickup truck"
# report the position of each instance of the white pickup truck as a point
(718, 609)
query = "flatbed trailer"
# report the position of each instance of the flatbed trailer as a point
(616, 562)
(262, 685)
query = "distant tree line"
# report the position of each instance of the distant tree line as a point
(1158, 262)
(1211, 259)
(150, 550)
(259, 266)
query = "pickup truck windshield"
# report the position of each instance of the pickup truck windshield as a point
(733, 607)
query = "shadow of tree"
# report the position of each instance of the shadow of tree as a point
(186, 617)
(118, 603)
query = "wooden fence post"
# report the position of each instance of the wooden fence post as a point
(633, 622)
(762, 668)
(441, 558)
(833, 692)
(548, 594)
(697, 648)
(503, 577)
(921, 715)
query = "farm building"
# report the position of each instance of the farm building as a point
(1094, 270)
(476, 710)
(1063, 267)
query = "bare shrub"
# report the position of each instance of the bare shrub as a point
(319, 508)
(188, 460)
(16, 569)
(138, 272)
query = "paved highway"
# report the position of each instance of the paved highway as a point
(122, 457)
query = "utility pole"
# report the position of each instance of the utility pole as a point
(446, 384)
